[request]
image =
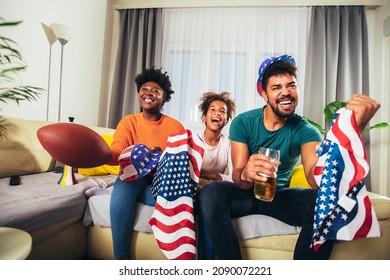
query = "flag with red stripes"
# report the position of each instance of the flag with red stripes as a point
(343, 209)
(175, 187)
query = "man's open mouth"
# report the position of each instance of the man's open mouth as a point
(285, 101)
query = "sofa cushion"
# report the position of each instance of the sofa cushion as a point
(20, 150)
(104, 169)
(39, 202)
(380, 203)
(298, 178)
(97, 213)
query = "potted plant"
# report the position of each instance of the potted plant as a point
(329, 112)
(11, 64)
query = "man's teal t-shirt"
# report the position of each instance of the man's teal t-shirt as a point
(248, 128)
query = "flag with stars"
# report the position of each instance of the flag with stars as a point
(175, 188)
(136, 161)
(343, 209)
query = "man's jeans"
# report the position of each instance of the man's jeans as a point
(222, 201)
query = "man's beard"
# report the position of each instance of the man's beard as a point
(280, 113)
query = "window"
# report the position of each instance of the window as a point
(220, 49)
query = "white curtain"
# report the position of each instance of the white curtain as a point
(221, 49)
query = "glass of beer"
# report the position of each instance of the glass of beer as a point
(266, 190)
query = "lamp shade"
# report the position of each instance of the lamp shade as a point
(51, 37)
(63, 33)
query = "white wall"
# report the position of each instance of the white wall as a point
(82, 57)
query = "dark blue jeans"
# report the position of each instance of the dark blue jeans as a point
(222, 201)
(123, 207)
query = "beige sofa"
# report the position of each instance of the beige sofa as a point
(274, 247)
(71, 238)
(52, 214)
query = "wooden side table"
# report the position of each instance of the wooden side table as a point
(15, 244)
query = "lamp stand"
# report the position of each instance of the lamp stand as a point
(59, 95)
(48, 87)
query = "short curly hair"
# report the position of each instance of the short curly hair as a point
(157, 76)
(278, 67)
(208, 97)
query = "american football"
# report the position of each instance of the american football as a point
(74, 145)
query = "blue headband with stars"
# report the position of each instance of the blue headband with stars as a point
(266, 63)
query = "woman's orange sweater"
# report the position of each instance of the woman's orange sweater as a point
(134, 129)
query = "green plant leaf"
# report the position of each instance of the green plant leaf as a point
(6, 71)
(378, 125)
(332, 108)
(3, 126)
(9, 23)
(316, 125)
(20, 93)
(11, 64)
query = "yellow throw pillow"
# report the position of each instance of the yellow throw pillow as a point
(298, 178)
(103, 169)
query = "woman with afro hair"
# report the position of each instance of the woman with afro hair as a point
(151, 128)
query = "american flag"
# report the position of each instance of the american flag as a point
(343, 209)
(136, 161)
(175, 186)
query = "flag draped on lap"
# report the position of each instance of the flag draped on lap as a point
(343, 209)
(175, 186)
